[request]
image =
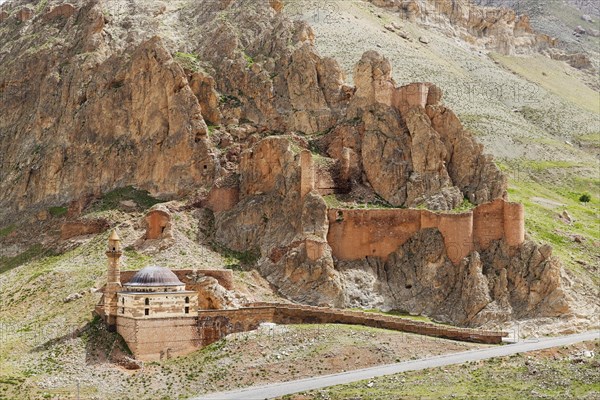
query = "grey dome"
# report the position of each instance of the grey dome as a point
(153, 275)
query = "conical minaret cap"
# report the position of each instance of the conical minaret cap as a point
(114, 235)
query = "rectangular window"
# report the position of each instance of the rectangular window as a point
(122, 310)
(147, 311)
(187, 310)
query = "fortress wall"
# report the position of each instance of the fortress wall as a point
(488, 223)
(214, 325)
(325, 183)
(413, 95)
(355, 234)
(159, 338)
(457, 230)
(156, 339)
(514, 223)
(223, 276)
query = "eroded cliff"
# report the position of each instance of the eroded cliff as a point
(191, 96)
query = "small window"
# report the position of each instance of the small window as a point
(122, 310)
(147, 301)
(187, 299)
(122, 300)
(147, 311)
(187, 310)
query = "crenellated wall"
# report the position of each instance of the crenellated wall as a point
(355, 234)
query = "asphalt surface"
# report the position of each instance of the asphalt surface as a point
(319, 382)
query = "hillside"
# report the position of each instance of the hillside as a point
(260, 125)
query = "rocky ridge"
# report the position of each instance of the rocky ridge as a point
(125, 104)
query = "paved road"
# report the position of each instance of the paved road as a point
(283, 388)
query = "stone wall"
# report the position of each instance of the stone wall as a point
(154, 305)
(159, 338)
(499, 220)
(355, 234)
(217, 324)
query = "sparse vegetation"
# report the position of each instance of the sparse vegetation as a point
(548, 374)
(57, 211)
(7, 230)
(112, 199)
(249, 60)
(188, 61)
(35, 251)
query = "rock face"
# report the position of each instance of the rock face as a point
(409, 149)
(112, 101)
(213, 296)
(496, 29)
(98, 121)
(72, 229)
(489, 285)
(288, 231)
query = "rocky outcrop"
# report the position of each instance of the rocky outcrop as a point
(288, 231)
(488, 285)
(157, 223)
(409, 149)
(71, 229)
(64, 10)
(495, 29)
(213, 296)
(25, 14)
(87, 119)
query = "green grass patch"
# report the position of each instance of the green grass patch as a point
(498, 378)
(249, 60)
(8, 263)
(7, 230)
(111, 200)
(58, 211)
(41, 5)
(552, 76)
(188, 61)
(544, 203)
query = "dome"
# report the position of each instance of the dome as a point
(154, 276)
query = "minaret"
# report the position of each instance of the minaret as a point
(113, 282)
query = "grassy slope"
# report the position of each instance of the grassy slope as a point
(555, 77)
(550, 374)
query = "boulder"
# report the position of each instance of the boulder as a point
(25, 14)
(64, 10)
(71, 229)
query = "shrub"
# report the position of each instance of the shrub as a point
(585, 198)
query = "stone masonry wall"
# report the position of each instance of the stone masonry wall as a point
(355, 234)
(158, 338)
